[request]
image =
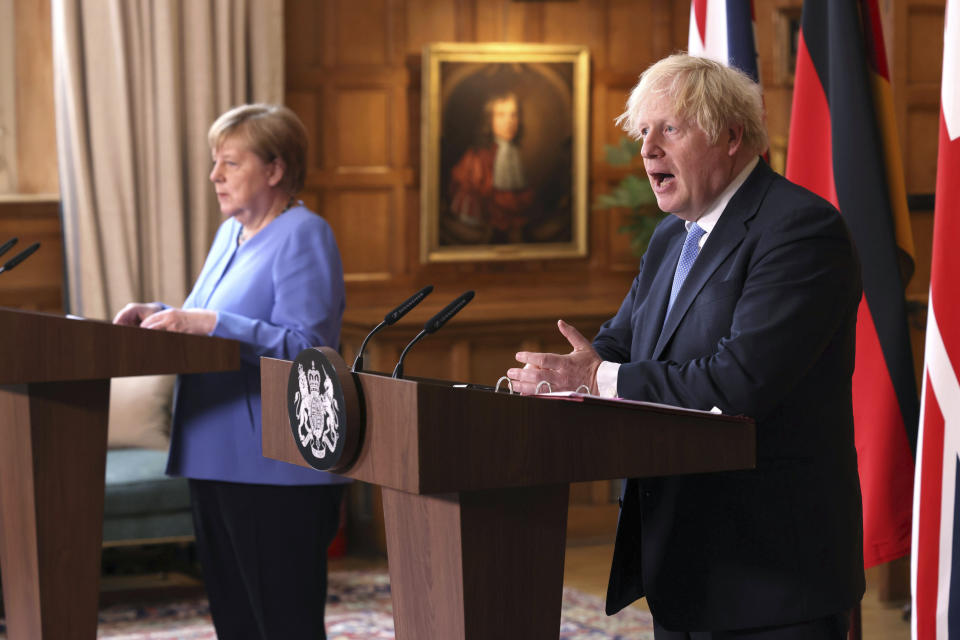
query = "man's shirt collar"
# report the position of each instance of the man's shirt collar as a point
(709, 220)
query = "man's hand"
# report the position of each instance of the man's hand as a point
(135, 313)
(197, 321)
(564, 372)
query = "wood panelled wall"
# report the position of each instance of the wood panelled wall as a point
(353, 74)
(916, 80)
(37, 283)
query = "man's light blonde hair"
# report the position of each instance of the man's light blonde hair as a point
(271, 131)
(703, 91)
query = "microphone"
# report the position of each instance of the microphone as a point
(433, 324)
(389, 319)
(20, 257)
(7, 245)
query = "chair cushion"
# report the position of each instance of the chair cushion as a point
(148, 529)
(136, 484)
(140, 412)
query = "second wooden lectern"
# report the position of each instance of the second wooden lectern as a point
(476, 487)
(54, 397)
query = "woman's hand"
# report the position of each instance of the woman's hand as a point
(197, 321)
(135, 313)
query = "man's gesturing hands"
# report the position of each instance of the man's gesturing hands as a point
(564, 372)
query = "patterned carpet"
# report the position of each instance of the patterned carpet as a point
(359, 608)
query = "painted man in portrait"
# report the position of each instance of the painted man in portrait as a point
(488, 187)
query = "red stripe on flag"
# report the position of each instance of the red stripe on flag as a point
(928, 518)
(883, 443)
(810, 153)
(883, 452)
(945, 265)
(700, 11)
(873, 33)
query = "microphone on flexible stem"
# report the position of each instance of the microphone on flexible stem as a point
(20, 257)
(7, 245)
(432, 325)
(389, 319)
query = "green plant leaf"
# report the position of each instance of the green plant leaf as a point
(622, 154)
(633, 193)
(637, 191)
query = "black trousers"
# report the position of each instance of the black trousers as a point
(263, 551)
(832, 627)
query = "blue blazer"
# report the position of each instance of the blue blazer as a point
(764, 326)
(279, 292)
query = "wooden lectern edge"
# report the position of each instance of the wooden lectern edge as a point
(58, 348)
(416, 458)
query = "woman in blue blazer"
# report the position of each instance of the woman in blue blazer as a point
(273, 281)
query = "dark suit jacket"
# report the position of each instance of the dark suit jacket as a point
(764, 326)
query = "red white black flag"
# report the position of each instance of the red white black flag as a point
(843, 146)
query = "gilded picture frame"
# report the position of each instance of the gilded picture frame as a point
(503, 152)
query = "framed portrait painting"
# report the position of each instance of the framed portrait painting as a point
(504, 152)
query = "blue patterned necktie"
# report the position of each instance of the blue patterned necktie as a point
(691, 247)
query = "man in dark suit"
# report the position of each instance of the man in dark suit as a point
(746, 302)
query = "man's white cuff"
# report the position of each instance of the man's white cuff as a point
(607, 379)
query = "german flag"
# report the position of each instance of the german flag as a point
(843, 146)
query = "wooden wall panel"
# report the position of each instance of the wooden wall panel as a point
(916, 70)
(924, 51)
(364, 228)
(303, 25)
(625, 21)
(774, 22)
(920, 165)
(365, 131)
(435, 21)
(307, 105)
(577, 23)
(37, 283)
(522, 22)
(358, 32)
(609, 105)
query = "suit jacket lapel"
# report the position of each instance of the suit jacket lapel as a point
(649, 327)
(207, 285)
(725, 237)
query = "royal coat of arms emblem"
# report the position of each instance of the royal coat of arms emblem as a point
(316, 407)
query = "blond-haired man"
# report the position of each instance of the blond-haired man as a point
(746, 301)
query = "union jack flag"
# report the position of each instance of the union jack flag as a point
(935, 570)
(723, 30)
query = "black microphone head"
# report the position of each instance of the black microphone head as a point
(6, 246)
(407, 305)
(20, 257)
(448, 312)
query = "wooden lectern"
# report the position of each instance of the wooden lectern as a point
(476, 486)
(54, 398)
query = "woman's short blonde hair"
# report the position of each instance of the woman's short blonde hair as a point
(704, 91)
(271, 131)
